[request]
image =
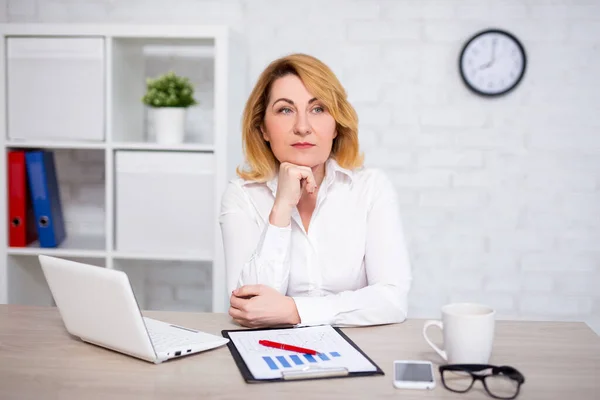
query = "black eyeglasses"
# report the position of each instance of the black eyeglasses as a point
(502, 382)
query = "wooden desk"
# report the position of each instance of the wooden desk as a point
(39, 360)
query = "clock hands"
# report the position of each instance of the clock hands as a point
(493, 59)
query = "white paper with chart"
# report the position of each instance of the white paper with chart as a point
(266, 362)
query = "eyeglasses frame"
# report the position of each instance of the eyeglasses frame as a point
(472, 370)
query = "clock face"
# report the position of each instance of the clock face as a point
(492, 62)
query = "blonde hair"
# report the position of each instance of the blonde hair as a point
(320, 82)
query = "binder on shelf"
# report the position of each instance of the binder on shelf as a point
(47, 206)
(21, 219)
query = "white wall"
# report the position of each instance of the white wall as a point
(501, 198)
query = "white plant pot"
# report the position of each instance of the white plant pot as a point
(169, 124)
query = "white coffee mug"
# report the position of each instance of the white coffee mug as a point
(468, 333)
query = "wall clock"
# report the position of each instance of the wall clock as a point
(492, 62)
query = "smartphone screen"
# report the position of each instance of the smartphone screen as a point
(414, 372)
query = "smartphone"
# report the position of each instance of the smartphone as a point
(412, 374)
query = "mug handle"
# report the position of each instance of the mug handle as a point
(440, 325)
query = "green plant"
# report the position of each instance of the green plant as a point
(169, 90)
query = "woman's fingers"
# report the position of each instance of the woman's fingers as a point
(305, 173)
(293, 181)
(237, 302)
(236, 313)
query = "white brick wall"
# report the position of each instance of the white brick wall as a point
(500, 198)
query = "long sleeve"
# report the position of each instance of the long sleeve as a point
(388, 270)
(253, 254)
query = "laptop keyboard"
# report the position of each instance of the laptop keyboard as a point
(164, 341)
(165, 338)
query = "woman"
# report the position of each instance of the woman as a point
(311, 236)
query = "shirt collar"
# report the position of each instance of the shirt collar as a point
(332, 171)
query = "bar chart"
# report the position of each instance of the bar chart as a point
(283, 362)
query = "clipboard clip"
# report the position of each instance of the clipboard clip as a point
(314, 372)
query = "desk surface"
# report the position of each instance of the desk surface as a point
(38, 359)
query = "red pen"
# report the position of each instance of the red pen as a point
(289, 347)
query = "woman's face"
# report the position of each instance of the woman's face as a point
(296, 124)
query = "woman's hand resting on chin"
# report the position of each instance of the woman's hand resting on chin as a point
(294, 180)
(259, 306)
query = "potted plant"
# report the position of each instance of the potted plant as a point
(169, 95)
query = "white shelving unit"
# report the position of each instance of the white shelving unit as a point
(131, 53)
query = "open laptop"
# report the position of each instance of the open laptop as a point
(98, 305)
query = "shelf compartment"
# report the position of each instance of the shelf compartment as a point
(165, 190)
(81, 181)
(28, 283)
(136, 59)
(69, 105)
(169, 285)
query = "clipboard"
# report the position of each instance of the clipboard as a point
(309, 373)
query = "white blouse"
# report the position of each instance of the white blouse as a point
(351, 268)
